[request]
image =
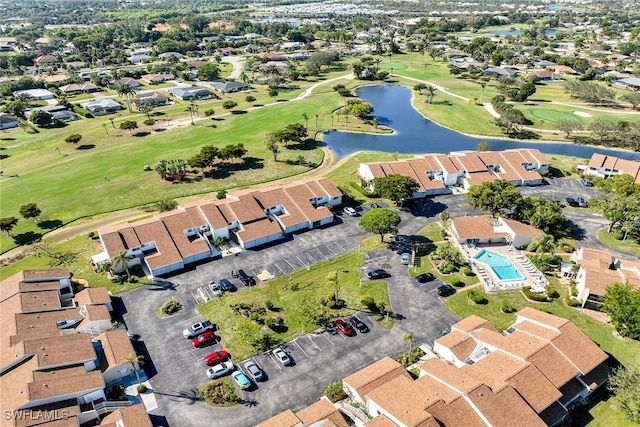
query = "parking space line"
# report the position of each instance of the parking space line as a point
(327, 338)
(302, 262)
(331, 250)
(270, 357)
(321, 254)
(290, 265)
(313, 260)
(281, 271)
(313, 342)
(296, 343)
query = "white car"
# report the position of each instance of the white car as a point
(197, 328)
(282, 356)
(404, 258)
(220, 370)
(215, 289)
(350, 211)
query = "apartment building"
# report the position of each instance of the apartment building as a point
(604, 166)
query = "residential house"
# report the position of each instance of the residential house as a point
(46, 60)
(157, 78)
(172, 240)
(78, 88)
(604, 166)
(546, 76)
(8, 121)
(292, 46)
(226, 51)
(154, 99)
(115, 346)
(229, 87)
(474, 230)
(100, 107)
(597, 269)
(190, 93)
(630, 83)
(466, 64)
(533, 374)
(272, 56)
(437, 173)
(128, 416)
(58, 112)
(39, 94)
(56, 78)
(563, 69)
(168, 55)
(140, 58)
(497, 72)
(133, 83)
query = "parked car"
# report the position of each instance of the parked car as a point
(404, 258)
(254, 371)
(281, 356)
(374, 205)
(572, 202)
(216, 357)
(446, 290)
(425, 277)
(241, 379)
(582, 202)
(198, 328)
(246, 279)
(215, 289)
(221, 369)
(586, 182)
(358, 324)
(227, 285)
(377, 274)
(350, 211)
(344, 327)
(204, 339)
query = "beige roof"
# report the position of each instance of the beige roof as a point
(92, 296)
(374, 375)
(522, 229)
(629, 167)
(473, 322)
(116, 346)
(43, 274)
(492, 405)
(131, 416)
(61, 350)
(381, 421)
(95, 313)
(460, 344)
(40, 301)
(321, 410)
(283, 419)
(468, 227)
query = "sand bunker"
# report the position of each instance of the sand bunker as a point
(581, 114)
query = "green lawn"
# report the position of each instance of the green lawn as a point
(294, 298)
(630, 246)
(625, 350)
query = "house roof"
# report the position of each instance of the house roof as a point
(116, 346)
(130, 416)
(60, 350)
(319, 411)
(89, 296)
(473, 322)
(283, 419)
(472, 227)
(374, 375)
(624, 166)
(75, 87)
(6, 118)
(460, 344)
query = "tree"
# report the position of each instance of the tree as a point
(127, 92)
(166, 205)
(15, 108)
(544, 243)
(228, 105)
(30, 210)
(40, 118)
(221, 194)
(482, 146)
(273, 92)
(632, 98)
(129, 125)
(272, 144)
(494, 196)
(380, 221)
(525, 91)
(567, 126)
(146, 109)
(7, 224)
(408, 338)
(395, 187)
(618, 206)
(510, 120)
(601, 129)
(625, 384)
(135, 361)
(208, 72)
(121, 260)
(73, 139)
(431, 92)
(306, 120)
(621, 302)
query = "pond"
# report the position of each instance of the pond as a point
(515, 33)
(415, 134)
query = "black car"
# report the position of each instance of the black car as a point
(246, 279)
(425, 277)
(358, 324)
(572, 202)
(227, 285)
(377, 274)
(446, 290)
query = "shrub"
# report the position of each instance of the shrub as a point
(219, 393)
(506, 308)
(476, 298)
(551, 292)
(209, 112)
(446, 267)
(574, 290)
(133, 279)
(335, 392)
(443, 233)
(269, 305)
(370, 303)
(227, 105)
(250, 98)
(526, 290)
(572, 302)
(141, 388)
(456, 282)
(468, 272)
(407, 359)
(91, 235)
(618, 235)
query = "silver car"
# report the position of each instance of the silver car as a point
(215, 289)
(282, 356)
(254, 371)
(220, 370)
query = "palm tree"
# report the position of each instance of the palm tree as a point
(544, 243)
(146, 109)
(127, 92)
(121, 259)
(243, 77)
(306, 120)
(482, 85)
(316, 121)
(431, 92)
(135, 361)
(408, 338)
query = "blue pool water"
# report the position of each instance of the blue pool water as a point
(500, 264)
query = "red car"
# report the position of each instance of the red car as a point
(344, 327)
(216, 357)
(204, 339)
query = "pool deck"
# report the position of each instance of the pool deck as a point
(492, 283)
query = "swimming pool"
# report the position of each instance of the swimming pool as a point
(500, 264)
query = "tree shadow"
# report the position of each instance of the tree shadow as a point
(251, 403)
(187, 396)
(555, 172)
(141, 134)
(217, 119)
(8, 138)
(524, 134)
(572, 230)
(4, 156)
(26, 238)
(160, 129)
(307, 144)
(85, 147)
(149, 367)
(50, 224)
(258, 105)
(442, 102)
(237, 112)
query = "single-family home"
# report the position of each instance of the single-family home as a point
(77, 88)
(475, 230)
(58, 112)
(229, 87)
(133, 83)
(7, 121)
(272, 56)
(157, 78)
(546, 76)
(563, 69)
(55, 78)
(498, 72)
(292, 45)
(168, 55)
(46, 60)
(630, 83)
(100, 107)
(140, 58)
(154, 99)
(190, 93)
(39, 94)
